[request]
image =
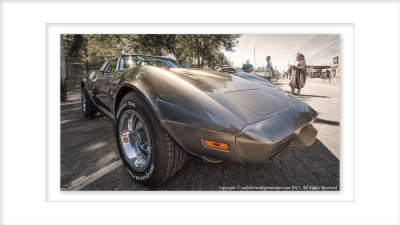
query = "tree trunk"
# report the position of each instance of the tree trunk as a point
(62, 71)
(76, 46)
(198, 59)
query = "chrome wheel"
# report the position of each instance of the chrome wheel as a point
(135, 140)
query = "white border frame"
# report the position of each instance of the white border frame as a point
(346, 32)
(23, 195)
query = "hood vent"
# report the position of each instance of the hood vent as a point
(259, 101)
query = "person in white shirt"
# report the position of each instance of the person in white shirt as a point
(164, 53)
(270, 73)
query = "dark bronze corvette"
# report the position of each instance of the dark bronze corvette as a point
(162, 112)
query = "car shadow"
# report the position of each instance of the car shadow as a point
(87, 145)
(329, 122)
(301, 96)
(312, 96)
(296, 168)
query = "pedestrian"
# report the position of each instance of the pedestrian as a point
(269, 70)
(166, 54)
(298, 77)
(328, 74)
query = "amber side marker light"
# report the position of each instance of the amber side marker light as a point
(216, 144)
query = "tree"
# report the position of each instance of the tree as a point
(62, 71)
(94, 49)
(152, 43)
(75, 46)
(206, 47)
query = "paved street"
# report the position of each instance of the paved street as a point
(90, 160)
(324, 97)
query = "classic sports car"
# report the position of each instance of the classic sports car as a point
(162, 112)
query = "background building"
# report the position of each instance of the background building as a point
(335, 67)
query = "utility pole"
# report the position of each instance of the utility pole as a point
(254, 57)
(288, 65)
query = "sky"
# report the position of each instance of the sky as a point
(318, 49)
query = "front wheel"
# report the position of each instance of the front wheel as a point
(147, 151)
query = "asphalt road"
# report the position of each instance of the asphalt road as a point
(90, 161)
(324, 97)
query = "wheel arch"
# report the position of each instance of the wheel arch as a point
(124, 90)
(83, 83)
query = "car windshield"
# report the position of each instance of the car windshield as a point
(130, 61)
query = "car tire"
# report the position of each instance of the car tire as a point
(87, 106)
(149, 154)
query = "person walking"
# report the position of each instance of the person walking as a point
(269, 70)
(328, 74)
(298, 77)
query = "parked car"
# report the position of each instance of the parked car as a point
(164, 112)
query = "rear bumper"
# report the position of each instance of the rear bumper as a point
(260, 142)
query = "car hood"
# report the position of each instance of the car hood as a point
(249, 100)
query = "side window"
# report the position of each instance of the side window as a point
(112, 66)
(103, 67)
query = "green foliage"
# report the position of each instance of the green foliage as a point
(151, 43)
(200, 49)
